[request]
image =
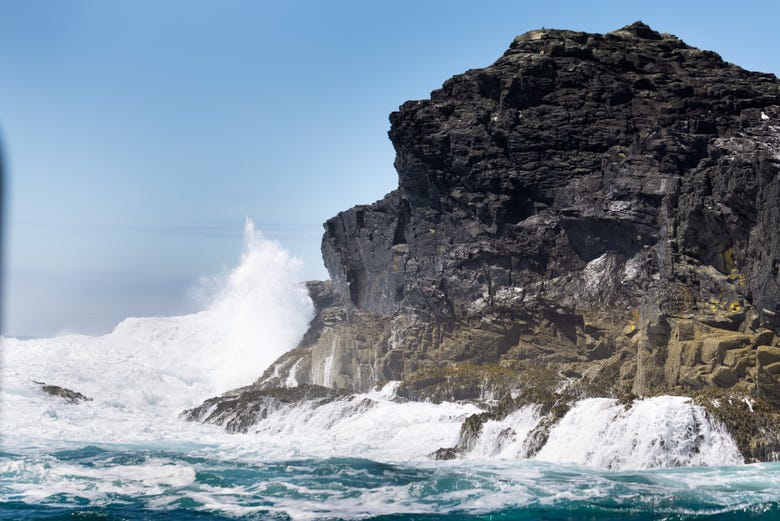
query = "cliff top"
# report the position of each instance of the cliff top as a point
(571, 146)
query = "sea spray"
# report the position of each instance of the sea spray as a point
(360, 456)
(506, 438)
(372, 424)
(261, 312)
(663, 431)
(143, 373)
(365, 455)
(658, 432)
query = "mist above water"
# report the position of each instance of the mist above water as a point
(258, 311)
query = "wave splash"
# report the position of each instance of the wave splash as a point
(148, 369)
(657, 432)
(367, 455)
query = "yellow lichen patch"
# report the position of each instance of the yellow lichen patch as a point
(633, 323)
(730, 306)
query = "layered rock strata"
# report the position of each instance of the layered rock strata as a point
(603, 206)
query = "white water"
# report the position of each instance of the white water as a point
(505, 439)
(659, 432)
(664, 431)
(143, 373)
(146, 371)
(370, 425)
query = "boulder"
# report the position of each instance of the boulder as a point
(767, 355)
(62, 393)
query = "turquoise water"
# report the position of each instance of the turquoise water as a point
(109, 484)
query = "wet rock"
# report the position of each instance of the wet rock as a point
(752, 421)
(725, 377)
(462, 381)
(241, 409)
(63, 393)
(448, 453)
(536, 387)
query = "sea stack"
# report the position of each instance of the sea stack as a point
(593, 211)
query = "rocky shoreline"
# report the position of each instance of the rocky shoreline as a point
(590, 216)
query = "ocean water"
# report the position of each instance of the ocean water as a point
(126, 454)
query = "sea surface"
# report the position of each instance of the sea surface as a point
(127, 455)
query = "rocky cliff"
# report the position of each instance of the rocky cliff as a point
(602, 209)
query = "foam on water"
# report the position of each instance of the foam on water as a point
(664, 431)
(371, 425)
(349, 488)
(142, 374)
(506, 438)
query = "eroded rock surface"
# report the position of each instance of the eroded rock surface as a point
(603, 206)
(608, 203)
(241, 409)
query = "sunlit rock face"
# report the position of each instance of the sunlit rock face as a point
(596, 209)
(584, 195)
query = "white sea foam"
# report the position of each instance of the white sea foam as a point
(664, 431)
(370, 425)
(142, 374)
(506, 438)
(345, 490)
(38, 477)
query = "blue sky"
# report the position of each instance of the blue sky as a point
(139, 135)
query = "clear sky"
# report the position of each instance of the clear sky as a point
(139, 135)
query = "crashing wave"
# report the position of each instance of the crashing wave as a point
(658, 432)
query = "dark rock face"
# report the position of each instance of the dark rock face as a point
(572, 146)
(580, 184)
(605, 207)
